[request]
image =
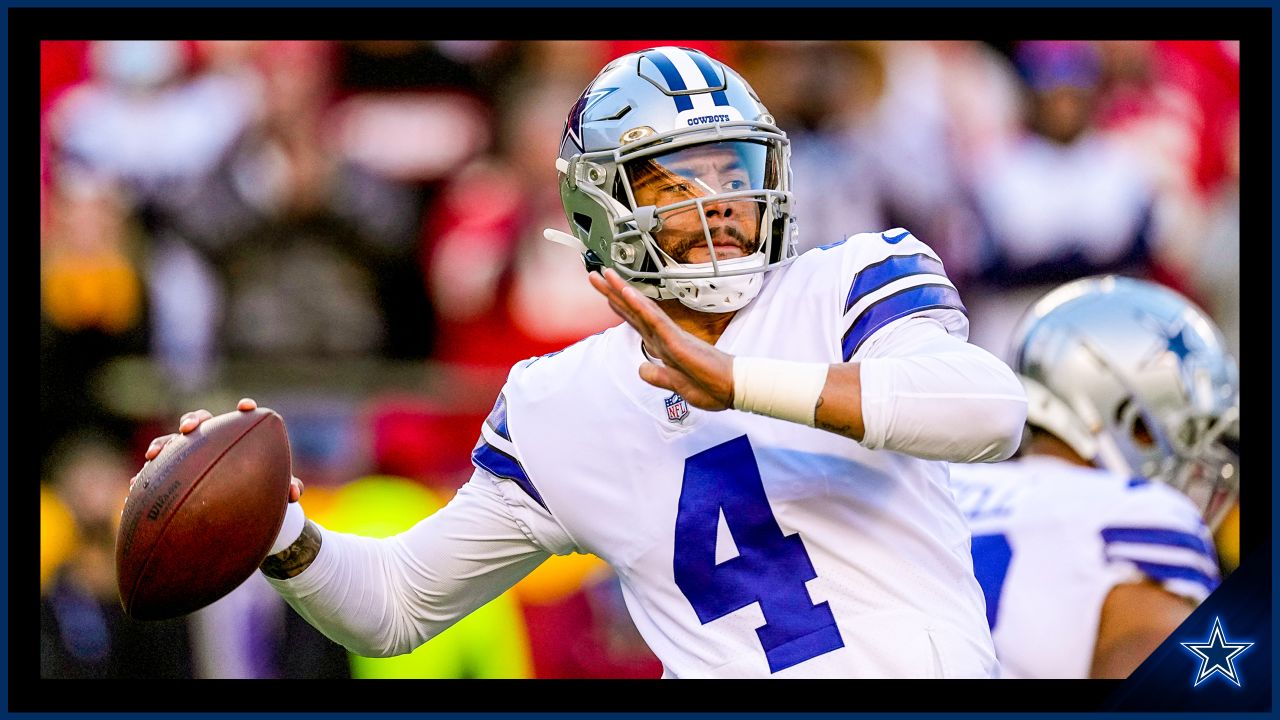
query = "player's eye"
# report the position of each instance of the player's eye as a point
(735, 185)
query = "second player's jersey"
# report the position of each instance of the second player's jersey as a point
(747, 545)
(1050, 541)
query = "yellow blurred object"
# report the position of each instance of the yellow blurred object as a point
(58, 537)
(100, 291)
(489, 643)
(559, 577)
(318, 503)
(1227, 539)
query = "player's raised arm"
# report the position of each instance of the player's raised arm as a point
(922, 391)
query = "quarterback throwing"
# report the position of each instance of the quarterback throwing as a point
(760, 451)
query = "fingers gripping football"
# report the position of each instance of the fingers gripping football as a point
(189, 422)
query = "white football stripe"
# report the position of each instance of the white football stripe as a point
(688, 70)
(497, 441)
(1187, 589)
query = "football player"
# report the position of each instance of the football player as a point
(758, 451)
(1095, 543)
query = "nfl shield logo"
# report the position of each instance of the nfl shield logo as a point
(677, 408)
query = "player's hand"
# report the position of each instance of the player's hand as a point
(698, 371)
(188, 424)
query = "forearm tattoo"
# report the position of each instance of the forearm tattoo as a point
(846, 430)
(295, 558)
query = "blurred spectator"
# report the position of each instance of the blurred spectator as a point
(410, 111)
(824, 95)
(84, 633)
(1173, 101)
(310, 266)
(502, 292)
(1065, 201)
(1176, 104)
(91, 304)
(874, 131)
(140, 120)
(88, 279)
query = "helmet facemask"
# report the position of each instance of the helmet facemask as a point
(1194, 454)
(693, 215)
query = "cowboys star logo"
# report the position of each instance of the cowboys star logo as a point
(573, 128)
(1217, 655)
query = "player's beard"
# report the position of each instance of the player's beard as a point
(683, 243)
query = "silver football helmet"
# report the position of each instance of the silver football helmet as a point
(1135, 379)
(673, 173)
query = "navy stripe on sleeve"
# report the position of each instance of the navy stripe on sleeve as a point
(898, 305)
(1161, 572)
(1158, 536)
(875, 276)
(503, 465)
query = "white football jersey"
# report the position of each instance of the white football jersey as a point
(1050, 541)
(748, 545)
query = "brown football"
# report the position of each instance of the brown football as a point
(202, 515)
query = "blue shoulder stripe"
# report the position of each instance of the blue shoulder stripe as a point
(672, 76)
(709, 74)
(898, 305)
(503, 465)
(1161, 572)
(1158, 536)
(497, 419)
(895, 267)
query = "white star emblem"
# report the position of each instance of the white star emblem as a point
(1216, 655)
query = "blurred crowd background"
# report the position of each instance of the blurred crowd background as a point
(351, 233)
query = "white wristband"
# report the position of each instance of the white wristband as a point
(291, 530)
(784, 389)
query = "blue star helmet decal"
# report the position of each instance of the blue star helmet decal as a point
(573, 128)
(1178, 343)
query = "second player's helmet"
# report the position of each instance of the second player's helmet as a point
(668, 140)
(1136, 379)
